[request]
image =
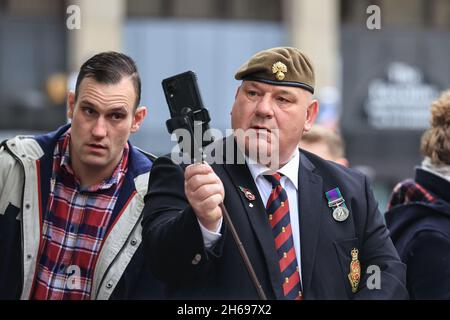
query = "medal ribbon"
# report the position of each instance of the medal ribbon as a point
(333, 195)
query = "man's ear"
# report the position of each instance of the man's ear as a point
(311, 114)
(70, 104)
(138, 118)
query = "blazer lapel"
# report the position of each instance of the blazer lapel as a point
(310, 203)
(240, 176)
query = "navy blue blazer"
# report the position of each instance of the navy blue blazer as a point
(173, 241)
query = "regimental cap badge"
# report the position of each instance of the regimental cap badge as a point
(279, 68)
(247, 193)
(355, 270)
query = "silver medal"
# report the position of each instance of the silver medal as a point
(340, 213)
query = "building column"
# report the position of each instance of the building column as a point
(101, 24)
(314, 28)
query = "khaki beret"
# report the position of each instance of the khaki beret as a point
(282, 66)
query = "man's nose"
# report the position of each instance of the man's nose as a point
(264, 107)
(99, 129)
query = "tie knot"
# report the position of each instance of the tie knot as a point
(274, 179)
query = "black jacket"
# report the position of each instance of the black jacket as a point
(173, 240)
(419, 222)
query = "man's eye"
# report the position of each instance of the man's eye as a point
(117, 116)
(88, 111)
(282, 99)
(252, 93)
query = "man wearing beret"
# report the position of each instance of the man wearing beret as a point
(311, 228)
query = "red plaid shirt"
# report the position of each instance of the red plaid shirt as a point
(74, 227)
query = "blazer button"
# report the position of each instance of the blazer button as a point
(196, 259)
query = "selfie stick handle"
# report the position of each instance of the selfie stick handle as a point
(237, 240)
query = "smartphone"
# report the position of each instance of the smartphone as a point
(182, 93)
(186, 108)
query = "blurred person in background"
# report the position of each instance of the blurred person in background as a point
(418, 215)
(56, 89)
(71, 200)
(326, 143)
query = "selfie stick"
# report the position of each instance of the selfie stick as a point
(190, 120)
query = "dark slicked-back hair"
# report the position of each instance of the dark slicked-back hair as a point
(110, 68)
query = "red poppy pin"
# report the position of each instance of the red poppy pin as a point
(247, 193)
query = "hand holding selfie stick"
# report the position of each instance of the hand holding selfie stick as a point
(187, 112)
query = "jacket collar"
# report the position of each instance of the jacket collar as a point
(138, 163)
(310, 198)
(437, 185)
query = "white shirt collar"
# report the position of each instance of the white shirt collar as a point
(289, 170)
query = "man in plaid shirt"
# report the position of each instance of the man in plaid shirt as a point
(71, 200)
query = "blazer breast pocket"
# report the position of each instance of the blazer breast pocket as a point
(347, 252)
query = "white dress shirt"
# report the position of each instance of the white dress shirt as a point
(289, 181)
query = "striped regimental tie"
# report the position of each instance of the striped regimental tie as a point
(278, 210)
